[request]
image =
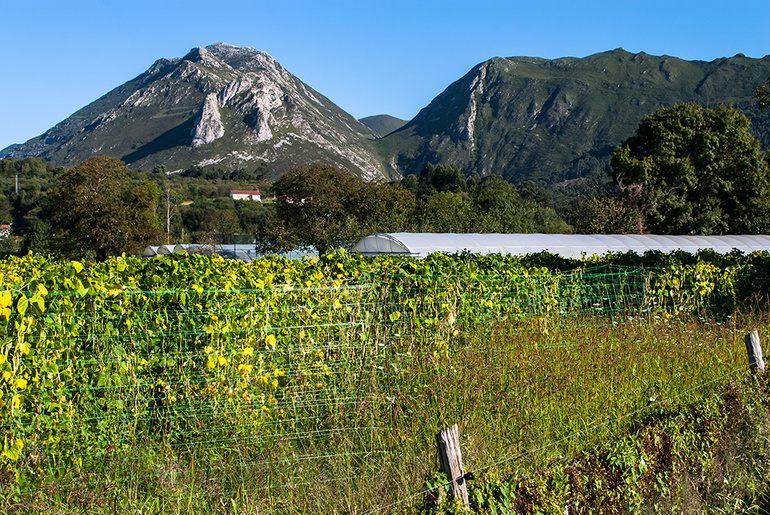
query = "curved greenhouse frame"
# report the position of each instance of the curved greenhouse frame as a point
(565, 245)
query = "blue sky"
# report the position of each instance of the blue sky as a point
(368, 56)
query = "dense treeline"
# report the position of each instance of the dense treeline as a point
(687, 170)
(188, 206)
(324, 207)
(195, 206)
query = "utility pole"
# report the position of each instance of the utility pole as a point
(168, 214)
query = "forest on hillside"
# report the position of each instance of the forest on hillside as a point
(687, 170)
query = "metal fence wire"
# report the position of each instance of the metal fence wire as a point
(134, 390)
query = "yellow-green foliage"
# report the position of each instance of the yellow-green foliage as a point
(227, 364)
(85, 342)
(94, 356)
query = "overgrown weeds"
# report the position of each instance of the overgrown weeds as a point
(709, 457)
(626, 416)
(316, 395)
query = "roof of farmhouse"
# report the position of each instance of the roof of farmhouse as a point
(565, 245)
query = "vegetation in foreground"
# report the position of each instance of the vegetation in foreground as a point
(194, 384)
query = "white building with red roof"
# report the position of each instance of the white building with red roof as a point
(246, 195)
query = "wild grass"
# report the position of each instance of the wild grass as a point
(601, 410)
(525, 394)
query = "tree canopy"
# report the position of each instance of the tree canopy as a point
(315, 205)
(96, 209)
(604, 215)
(694, 170)
(499, 208)
(763, 95)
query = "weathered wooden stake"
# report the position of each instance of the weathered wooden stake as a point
(450, 458)
(754, 349)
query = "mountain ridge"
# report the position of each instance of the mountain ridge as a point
(217, 105)
(383, 124)
(554, 120)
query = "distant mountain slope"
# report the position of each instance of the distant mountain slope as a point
(219, 105)
(553, 120)
(383, 124)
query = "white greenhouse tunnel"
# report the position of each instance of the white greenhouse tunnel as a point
(244, 252)
(565, 245)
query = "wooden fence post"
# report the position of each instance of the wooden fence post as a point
(451, 460)
(754, 350)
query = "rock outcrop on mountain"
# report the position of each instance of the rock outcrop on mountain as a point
(552, 121)
(209, 126)
(220, 105)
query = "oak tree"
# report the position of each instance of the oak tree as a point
(96, 210)
(695, 171)
(314, 206)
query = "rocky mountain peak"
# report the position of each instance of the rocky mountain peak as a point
(244, 58)
(218, 105)
(201, 55)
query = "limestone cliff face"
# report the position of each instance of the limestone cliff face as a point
(255, 99)
(209, 126)
(219, 105)
(468, 124)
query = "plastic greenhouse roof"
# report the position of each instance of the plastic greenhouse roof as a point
(244, 252)
(565, 245)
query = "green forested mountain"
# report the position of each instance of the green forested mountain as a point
(550, 121)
